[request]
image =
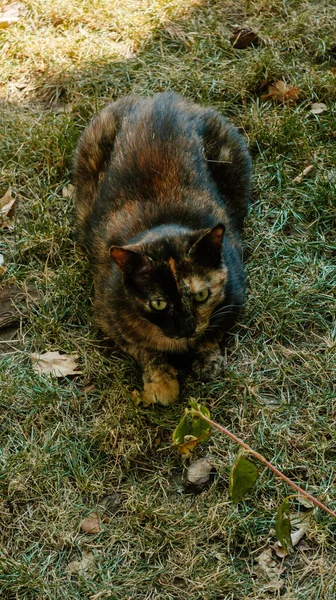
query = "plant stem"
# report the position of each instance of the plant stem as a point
(265, 462)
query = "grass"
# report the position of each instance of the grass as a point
(64, 447)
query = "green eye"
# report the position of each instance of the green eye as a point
(201, 296)
(158, 304)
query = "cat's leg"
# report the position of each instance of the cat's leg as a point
(209, 361)
(160, 384)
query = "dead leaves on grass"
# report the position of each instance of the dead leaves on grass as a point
(11, 13)
(7, 203)
(242, 38)
(84, 566)
(318, 107)
(300, 176)
(90, 524)
(15, 303)
(269, 570)
(281, 92)
(54, 363)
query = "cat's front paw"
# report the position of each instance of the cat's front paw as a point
(163, 391)
(209, 366)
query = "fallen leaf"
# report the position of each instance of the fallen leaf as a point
(333, 70)
(68, 191)
(89, 388)
(15, 303)
(243, 38)
(300, 176)
(7, 210)
(299, 525)
(198, 473)
(54, 363)
(318, 107)
(110, 504)
(268, 570)
(281, 92)
(84, 566)
(2, 260)
(11, 14)
(176, 32)
(90, 524)
(61, 107)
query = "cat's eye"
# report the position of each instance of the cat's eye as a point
(158, 304)
(201, 296)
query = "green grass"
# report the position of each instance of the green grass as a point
(63, 449)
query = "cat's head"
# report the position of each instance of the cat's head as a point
(175, 278)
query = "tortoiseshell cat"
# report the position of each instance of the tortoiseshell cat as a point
(162, 190)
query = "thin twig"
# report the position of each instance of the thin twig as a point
(265, 462)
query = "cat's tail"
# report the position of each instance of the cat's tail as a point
(92, 158)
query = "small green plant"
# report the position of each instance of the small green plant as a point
(195, 427)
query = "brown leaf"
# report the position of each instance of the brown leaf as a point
(7, 210)
(300, 176)
(243, 38)
(68, 191)
(318, 107)
(90, 524)
(281, 92)
(11, 14)
(15, 303)
(269, 571)
(54, 363)
(83, 566)
(176, 32)
(3, 268)
(198, 473)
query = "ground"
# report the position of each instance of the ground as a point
(67, 444)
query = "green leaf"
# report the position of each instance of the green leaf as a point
(283, 525)
(191, 430)
(243, 476)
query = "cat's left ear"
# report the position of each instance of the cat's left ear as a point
(207, 249)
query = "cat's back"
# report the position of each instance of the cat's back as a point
(161, 159)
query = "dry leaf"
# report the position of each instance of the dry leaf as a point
(89, 388)
(11, 14)
(90, 524)
(68, 191)
(61, 107)
(83, 566)
(7, 210)
(15, 303)
(3, 269)
(243, 38)
(268, 570)
(281, 92)
(176, 32)
(334, 70)
(318, 107)
(300, 176)
(54, 363)
(198, 473)
(300, 526)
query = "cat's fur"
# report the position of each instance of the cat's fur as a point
(161, 192)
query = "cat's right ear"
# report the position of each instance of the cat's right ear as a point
(130, 262)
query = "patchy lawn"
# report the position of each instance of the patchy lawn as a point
(67, 445)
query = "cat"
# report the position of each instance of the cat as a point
(162, 188)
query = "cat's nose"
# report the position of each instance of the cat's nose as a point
(187, 327)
